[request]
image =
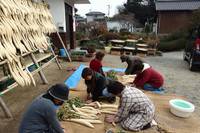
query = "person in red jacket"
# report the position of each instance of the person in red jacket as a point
(197, 43)
(96, 64)
(146, 77)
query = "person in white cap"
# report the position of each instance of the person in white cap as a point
(40, 116)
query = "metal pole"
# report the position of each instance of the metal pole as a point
(63, 46)
(40, 72)
(5, 109)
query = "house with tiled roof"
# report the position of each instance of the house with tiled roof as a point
(95, 16)
(174, 15)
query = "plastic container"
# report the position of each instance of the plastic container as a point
(62, 53)
(181, 108)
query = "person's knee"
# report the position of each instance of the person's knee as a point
(124, 126)
(128, 127)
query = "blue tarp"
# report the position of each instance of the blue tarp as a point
(106, 69)
(74, 79)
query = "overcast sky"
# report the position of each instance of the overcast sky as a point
(100, 5)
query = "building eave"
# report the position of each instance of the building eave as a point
(164, 5)
(81, 2)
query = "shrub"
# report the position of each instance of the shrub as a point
(109, 36)
(147, 28)
(114, 30)
(92, 44)
(96, 30)
(133, 36)
(124, 32)
(123, 37)
(141, 41)
(90, 48)
(172, 45)
(175, 36)
(173, 42)
(80, 35)
(83, 43)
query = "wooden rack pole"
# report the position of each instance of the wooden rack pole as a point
(5, 108)
(57, 62)
(63, 46)
(40, 72)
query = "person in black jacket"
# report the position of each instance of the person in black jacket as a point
(96, 86)
(130, 60)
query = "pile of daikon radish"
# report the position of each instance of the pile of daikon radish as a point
(23, 25)
(88, 114)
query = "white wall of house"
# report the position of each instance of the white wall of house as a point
(93, 17)
(57, 9)
(113, 25)
(100, 16)
(116, 25)
(90, 19)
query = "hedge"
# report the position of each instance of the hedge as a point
(173, 45)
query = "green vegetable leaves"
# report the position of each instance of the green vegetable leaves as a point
(112, 74)
(66, 112)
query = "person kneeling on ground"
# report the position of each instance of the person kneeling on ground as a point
(136, 110)
(96, 86)
(147, 78)
(96, 64)
(130, 60)
(41, 114)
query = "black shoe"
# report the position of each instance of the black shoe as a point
(146, 126)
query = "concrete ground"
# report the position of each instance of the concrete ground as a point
(178, 80)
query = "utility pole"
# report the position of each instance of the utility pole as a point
(108, 10)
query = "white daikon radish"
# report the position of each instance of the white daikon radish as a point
(82, 121)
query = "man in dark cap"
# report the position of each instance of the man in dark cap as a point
(41, 114)
(130, 60)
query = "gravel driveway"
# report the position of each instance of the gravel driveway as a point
(178, 78)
